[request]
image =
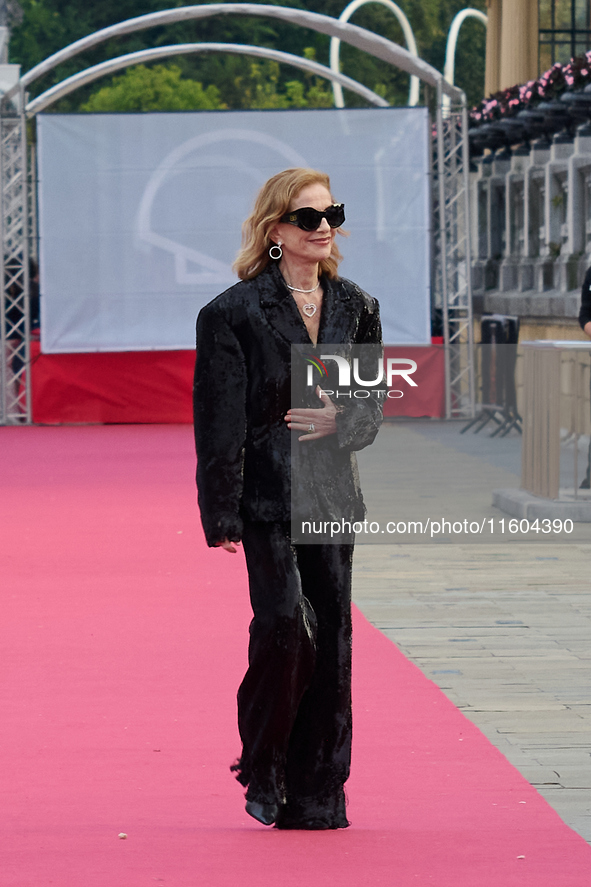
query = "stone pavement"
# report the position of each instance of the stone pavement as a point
(503, 628)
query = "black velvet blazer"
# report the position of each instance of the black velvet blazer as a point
(243, 390)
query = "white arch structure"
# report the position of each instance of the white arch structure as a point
(411, 45)
(450, 182)
(149, 55)
(452, 42)
(373, 44)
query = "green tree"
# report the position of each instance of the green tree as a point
(162, 88)
(159, 88)
(261, 86)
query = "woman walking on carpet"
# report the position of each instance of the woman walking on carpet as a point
(294, 704)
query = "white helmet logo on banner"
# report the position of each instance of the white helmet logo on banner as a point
(212, 271)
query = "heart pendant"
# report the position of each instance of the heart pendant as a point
(309, 309)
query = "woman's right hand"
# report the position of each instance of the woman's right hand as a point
(227, 545)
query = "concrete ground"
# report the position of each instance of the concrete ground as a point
(503, 627)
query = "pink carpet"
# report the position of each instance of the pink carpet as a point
(124, 640)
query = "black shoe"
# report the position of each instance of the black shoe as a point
(265, 813)
(318, 823)
(313, 814)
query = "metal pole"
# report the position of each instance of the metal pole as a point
(575, 414)
(468, 236)
(443, 246)
(3, 342)
(25, 252)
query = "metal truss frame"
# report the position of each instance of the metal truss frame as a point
(450, 203)
(452, 254)
(15, 331)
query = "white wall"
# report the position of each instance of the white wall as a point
(140, 215)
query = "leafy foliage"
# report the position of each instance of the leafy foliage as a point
(159, 88)
(162, 88)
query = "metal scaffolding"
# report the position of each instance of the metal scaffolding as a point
(450, 203)
(452, 259)
(15, 332)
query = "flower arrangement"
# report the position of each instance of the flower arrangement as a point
(548, 87)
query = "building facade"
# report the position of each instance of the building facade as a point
(526, 37)
(531, 200)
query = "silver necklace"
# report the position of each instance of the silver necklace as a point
(310, 308)
(297, 289)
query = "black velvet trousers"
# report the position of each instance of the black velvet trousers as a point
(294, 704)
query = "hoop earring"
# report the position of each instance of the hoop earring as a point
(276, 246)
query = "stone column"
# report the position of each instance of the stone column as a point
(493, 46)
(519, 42)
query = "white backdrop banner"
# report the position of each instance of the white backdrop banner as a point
(140, 215)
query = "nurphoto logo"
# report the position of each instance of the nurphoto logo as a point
(386, 370)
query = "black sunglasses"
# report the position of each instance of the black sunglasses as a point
(308, 219)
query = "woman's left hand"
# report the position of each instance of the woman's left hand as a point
(323, 420)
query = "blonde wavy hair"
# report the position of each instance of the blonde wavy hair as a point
(272, 202)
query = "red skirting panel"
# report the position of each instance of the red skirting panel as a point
(130, 387)
(135, 387)
(428, 397)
